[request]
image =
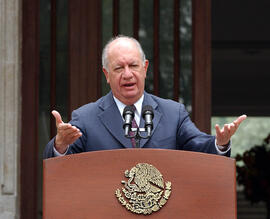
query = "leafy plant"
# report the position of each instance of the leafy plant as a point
(253, 172)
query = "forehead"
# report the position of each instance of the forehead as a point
(123, 49)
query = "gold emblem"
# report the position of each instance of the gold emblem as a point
(145, 191)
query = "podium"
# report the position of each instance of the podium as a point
(83, 185)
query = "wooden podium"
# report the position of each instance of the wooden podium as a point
(83, 185)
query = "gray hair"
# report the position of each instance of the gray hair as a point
(106, 49)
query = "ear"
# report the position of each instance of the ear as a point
(146, 63)
(106, 73)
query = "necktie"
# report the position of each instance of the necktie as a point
(134, 125)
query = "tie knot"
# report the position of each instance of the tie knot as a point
(133, 107)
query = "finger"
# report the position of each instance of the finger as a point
(229, 130)
(58, 118)
(64, 126)
(77, 135)
(226, 129)
(239, 120)
(73, 137)
(218, 132)
(233, 127)
(219, 135)
(69, 131)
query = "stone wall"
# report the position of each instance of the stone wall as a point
(10, 72)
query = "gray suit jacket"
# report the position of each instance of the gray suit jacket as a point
(102, 127)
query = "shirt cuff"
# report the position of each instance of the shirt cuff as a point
(58, 154)
(222, 149)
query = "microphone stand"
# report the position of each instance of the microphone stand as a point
(137, 135)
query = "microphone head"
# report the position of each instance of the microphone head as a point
(129, 110)
(147, 110)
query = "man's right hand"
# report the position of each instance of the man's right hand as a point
(66, 133)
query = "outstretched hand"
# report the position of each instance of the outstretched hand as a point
(224, 135)
(66, 133)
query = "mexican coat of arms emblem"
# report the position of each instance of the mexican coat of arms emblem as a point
(145, 191)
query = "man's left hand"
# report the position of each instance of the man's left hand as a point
(224, 135)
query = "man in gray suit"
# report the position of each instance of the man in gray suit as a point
(99, 125)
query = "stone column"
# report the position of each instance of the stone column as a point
(10, 71)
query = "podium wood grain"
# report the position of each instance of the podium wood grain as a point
(82, 186)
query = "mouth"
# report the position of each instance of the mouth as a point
(128, 85)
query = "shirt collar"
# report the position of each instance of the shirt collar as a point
(138, 106)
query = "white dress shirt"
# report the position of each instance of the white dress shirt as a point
(138, 106)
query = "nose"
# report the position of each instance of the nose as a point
(127, 74)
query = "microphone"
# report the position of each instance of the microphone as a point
(128, 115)
(148, 115)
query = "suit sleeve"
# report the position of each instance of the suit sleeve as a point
(190, 138)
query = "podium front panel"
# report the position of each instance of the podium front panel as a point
(83, 185)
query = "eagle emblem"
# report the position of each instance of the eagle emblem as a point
(145, 191)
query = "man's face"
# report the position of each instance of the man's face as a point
(126, 73)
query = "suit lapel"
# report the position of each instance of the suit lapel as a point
(148, 100)
(112, 120)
